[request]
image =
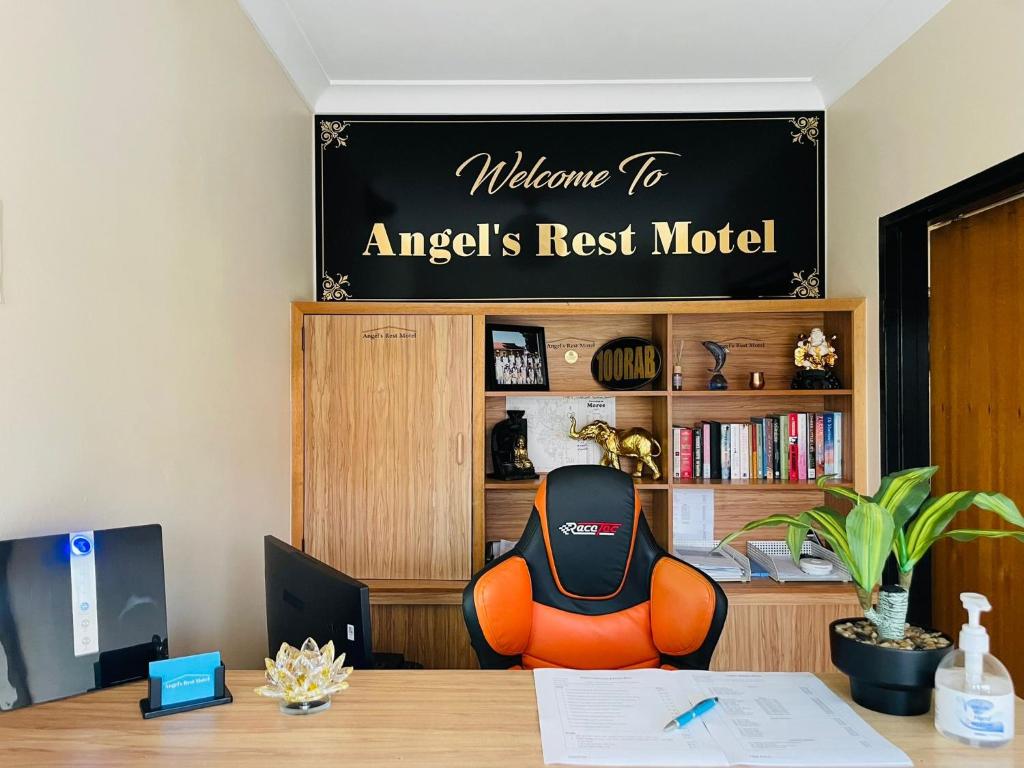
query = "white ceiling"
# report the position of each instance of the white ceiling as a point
(588, 55)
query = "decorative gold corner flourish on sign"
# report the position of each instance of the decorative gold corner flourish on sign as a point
(334, 290)
(333, 132)
(807, 287)
(805, 126)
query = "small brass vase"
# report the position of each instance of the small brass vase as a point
(757, 379)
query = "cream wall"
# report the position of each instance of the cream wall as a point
(155, 176)
(945, 105)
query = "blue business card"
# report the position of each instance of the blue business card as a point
(186, 678)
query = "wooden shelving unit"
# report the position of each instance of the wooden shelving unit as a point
(757, 394)
(760, 336)
(645, 483)
(754, 484)
(417, 604)
(586, 393)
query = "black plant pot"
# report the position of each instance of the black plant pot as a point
(889, 680)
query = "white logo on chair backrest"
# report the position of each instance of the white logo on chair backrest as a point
(589, 529)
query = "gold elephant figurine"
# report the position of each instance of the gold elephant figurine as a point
(635, 443)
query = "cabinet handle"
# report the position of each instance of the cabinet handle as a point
(459, 441)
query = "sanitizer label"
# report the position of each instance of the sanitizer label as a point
(974, 716)
(84, 624)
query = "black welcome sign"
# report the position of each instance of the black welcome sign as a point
(570, 207)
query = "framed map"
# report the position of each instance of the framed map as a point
(547, 418)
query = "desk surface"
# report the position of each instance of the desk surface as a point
(422, 718)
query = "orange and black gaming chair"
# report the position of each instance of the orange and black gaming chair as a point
(587, 587)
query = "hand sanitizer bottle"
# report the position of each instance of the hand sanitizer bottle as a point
(973, 691)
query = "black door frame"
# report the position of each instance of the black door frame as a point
(903, 327)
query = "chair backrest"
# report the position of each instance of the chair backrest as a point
(588, 587)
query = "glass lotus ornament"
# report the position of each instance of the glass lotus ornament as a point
(305, 679)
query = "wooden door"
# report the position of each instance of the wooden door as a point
(388, 420)
(977, 379)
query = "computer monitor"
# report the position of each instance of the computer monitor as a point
(308, 598)
(79, 611)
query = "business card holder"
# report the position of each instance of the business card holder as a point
(151, 707)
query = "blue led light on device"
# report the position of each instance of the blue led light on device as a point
(80, 545)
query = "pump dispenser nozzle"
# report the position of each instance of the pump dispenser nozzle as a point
(973, 636)
(974, 604)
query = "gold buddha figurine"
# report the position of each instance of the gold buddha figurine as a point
(815, 351)
(815, 357)
(519, 456)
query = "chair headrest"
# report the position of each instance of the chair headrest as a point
(589, 517)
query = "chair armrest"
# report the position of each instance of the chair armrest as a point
(683, 606)
(498, 607)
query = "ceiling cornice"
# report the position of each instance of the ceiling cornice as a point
(280, 30)
(876, 40)
(879, 35)
(524, 97)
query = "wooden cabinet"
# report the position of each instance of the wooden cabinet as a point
(388, 422)
(391, 421)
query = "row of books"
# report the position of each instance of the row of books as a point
(782, 446)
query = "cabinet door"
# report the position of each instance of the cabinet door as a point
(388, 420)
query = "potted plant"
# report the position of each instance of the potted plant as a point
(890, 664)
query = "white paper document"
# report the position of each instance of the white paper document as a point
(718, 565)
(762, 719)
(789, 719)
(693, 517)
(617, 718)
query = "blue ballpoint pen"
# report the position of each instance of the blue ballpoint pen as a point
(691, 714)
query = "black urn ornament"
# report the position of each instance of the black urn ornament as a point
(508, 449)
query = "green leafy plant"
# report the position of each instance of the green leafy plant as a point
(901, 519)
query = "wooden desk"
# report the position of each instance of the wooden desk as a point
(422, 718)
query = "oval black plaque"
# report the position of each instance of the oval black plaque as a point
(628, 362)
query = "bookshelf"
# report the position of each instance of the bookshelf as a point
(760, 336)
(416, 608)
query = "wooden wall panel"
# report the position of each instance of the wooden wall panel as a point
(977, 412)
(841, 324)
(481, 441)
(298, 398)
(661, 335)
(757, 342)
(507, 512)
(388, 462)
(728, 408)
(657, 509)
(767, 630)
(432, 635)
(779, 635)
(736, 506)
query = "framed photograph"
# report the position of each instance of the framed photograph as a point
(516, 358)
